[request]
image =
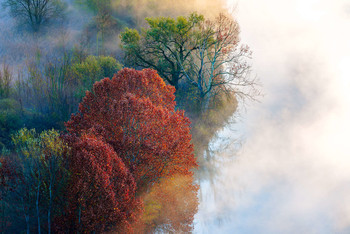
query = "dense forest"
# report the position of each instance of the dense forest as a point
(107, 108)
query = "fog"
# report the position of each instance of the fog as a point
(75, 28)
(292, 173)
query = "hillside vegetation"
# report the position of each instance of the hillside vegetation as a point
(106, 108)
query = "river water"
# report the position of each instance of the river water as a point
(291, 173)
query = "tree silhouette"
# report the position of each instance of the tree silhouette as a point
(35, 13)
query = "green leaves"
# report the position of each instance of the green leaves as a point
(35, 176)
(129, 37)
(32, 145)
(200, 58)
(84, 74)
(163, 46)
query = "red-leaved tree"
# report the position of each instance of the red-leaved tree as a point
(101, 190)
(134, 112)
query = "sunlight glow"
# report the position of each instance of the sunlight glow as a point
(310, 10)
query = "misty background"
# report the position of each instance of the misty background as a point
(292, 173)
(76, 27)
(286, 168)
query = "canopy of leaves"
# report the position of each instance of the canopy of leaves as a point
(173, 201)
(201, 58)
(94, 68)
(135, 113)
(35, 178)
(163, 46)
(101, 191)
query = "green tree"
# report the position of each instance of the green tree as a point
(84, 74)
(165, 46)
(40, 176)
(51, 89)
(201, 58)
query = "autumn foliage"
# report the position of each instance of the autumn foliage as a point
(126, 140)
(124, 162)
(101, 189)
(173, 201)
(134, 112)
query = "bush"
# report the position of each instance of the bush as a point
(93, 69)
(13, 117)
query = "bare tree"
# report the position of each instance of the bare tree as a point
(35, 13)
(219, 64)
(5, 81)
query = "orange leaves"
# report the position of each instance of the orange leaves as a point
(136, 113)
(126, 124)
(172, 201)
(101, 188)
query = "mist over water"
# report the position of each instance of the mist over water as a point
(292, 174)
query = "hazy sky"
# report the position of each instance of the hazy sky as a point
(292, 174)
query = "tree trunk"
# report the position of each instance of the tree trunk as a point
(26, 216)
(37, 204)
(205, 101)
(49, 211)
